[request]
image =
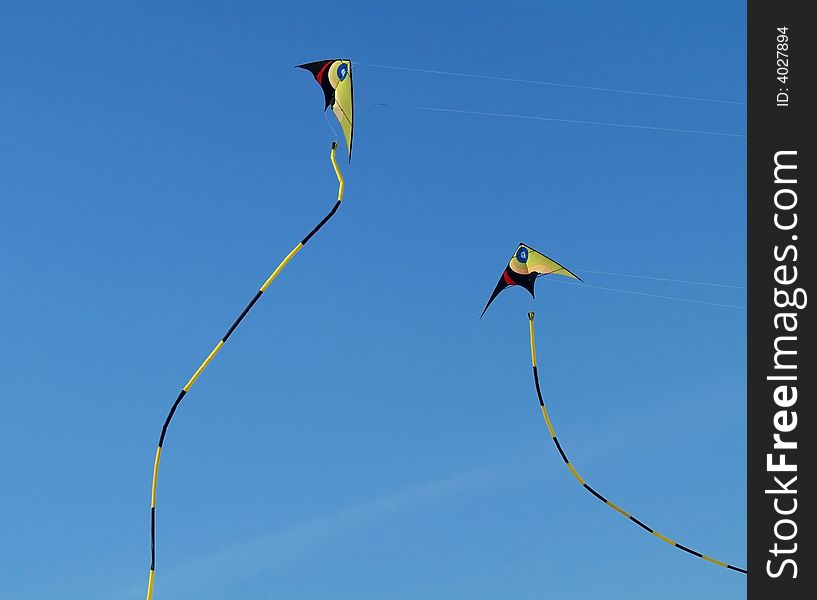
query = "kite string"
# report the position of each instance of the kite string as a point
(685, 281)
(662, 297)
(586, 486)
(331, 128)
(555, 84)
(579, 122)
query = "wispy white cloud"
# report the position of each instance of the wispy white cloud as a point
(252, 556)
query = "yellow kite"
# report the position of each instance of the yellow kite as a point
(335, 78)
(524, 267)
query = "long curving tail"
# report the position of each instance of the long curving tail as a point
(586, 486)
(212, 355)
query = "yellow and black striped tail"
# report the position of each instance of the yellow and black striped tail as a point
(586, 486)
(212, 355)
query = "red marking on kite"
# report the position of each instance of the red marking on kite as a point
(319, 74)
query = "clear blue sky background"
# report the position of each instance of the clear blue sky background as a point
(363, 435)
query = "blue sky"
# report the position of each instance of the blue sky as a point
(363, 434)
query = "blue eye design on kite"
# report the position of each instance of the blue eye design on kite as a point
(342, 71)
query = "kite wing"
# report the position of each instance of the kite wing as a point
(335, 78)
(524, 267)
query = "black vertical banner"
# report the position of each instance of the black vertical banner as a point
(782, 438)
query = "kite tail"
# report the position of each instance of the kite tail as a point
(586, 486)
(212, 355)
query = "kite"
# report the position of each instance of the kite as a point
(347, 93)
(587, 487)
(524, 267)
(335, 78)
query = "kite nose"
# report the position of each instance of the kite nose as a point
(334, 145)
(530, 315)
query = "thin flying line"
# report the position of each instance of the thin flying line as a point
(332, 129)
(723, 285)
(574, 121)
(609, 289)
(556, 84)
